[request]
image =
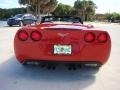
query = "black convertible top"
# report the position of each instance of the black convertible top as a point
(45, 17)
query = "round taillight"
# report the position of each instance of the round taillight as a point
(89, 37)
(23, 35)
(36, 36)
(102, 38)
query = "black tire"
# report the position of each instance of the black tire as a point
(10, 25)
(20, 23)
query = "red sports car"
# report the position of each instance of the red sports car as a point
(62, 39)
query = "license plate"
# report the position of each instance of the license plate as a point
(62, 49)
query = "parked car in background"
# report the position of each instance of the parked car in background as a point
(21, 19)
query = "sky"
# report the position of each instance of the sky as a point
(104, 6)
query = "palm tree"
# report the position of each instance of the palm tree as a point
(37, 4)
(25, 2)
(49, 7)
(78, 7)
(85, 8)
(40, 5)
(63, 9)
(90, 10)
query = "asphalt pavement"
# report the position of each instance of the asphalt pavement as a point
(13, 76)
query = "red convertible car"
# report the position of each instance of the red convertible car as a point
(62, 39)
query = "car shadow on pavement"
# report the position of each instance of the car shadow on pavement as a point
(16, 73)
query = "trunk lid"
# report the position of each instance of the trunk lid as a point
(63, 34)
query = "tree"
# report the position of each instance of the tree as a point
(7, 13)
(85, 8)
(40, 5)
(112, 17)
(90, 10)
(62, 9)
(25, 2)
(49, 7)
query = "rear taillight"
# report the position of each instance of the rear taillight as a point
(36, 36)
(23, 35)
(89, 37)
(102, 38)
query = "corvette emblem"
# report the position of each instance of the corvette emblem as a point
(63, 35)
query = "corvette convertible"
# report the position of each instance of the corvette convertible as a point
(62, 39)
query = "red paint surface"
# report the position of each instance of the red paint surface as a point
(43, 49)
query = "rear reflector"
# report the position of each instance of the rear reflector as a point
(102, 38)
(89, 37)
(36, 36)
(23, 35)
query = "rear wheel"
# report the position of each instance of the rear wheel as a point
(10, 25)
(20, 23)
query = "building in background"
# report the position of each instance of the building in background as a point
(100, 17)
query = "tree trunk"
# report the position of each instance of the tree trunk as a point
(36, 10)
(38, 18)
(28, 11)
(83, 15)
(86, 17)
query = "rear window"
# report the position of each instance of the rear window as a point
(29, 17)
(18, 16)
(62, 19)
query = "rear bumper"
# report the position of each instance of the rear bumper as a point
(68, 63)
(40, 52)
